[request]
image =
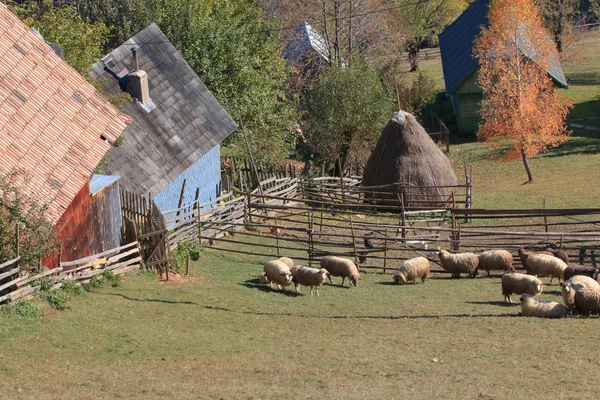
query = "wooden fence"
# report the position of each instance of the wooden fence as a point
(145, 224)
(18, 285)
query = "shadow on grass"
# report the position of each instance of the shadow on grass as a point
(148, 300)
(556, 292)
(390, 283)
(254, 284)
(387, 317)
(494, 303)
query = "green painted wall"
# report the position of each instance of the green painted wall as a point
(468, 100)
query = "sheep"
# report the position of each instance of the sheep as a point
(287, 261)
(544, 264)
(262, 278)
(312, 277)
(576, 269)
(531, 307)
(495, 260)
(276, 271)
(338, 266)
(518, 283)
(524, 254)
(583, 300)
(558, 253)
(459, 263)
(575, 284)
(412, 269)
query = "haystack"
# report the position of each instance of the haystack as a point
(407, 159)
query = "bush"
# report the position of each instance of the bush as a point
(180, 255)
(110, 278)
(56, 298)
(36, 236)
(421, 92)
(70, 287)
(146, 272)
(22, 308)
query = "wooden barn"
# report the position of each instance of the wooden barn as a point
(178, 124)
(54, 126)
(460, 67)
(307, 52)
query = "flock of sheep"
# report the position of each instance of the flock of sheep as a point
(579, 284)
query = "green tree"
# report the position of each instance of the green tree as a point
(345, 110)
(232, 48)
(82, 42)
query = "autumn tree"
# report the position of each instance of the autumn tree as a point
(520, 104)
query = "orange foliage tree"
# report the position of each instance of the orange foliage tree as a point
(520, 105)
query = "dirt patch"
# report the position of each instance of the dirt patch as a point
(181, 280)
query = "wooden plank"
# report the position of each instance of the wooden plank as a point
(9, 273)
(121, 256)
(39, 276)
(11, 283)
(103, 254)
(122, 270)
(147, 235)
(10, 262)
(157, 262)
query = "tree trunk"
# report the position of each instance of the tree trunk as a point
(413, 57)
(527, 167)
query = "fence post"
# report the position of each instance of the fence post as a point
(187, 265)
(277, 237)
(385, 251)
(353, 240)
(545, 217)
(17, 241)
(403, 234)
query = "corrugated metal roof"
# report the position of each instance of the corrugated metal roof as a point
(52, 121)
(99, 182)
(186, 122)
(456, 47)
(305, 37)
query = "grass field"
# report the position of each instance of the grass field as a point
(222, 335)
(219, 334)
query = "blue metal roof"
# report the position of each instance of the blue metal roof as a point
(456, 47)
(305, 37)
(99, 182)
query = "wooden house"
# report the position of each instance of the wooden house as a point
(307, 52)
(54, 126)
(178, 125)
(460, 67)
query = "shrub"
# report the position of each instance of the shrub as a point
(36, 236)
(70, 287)
(110, 278)
(180, 255)
(146, 272)
(56, 298)
(22, 308)
(421, 92)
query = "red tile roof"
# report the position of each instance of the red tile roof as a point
(51, 118)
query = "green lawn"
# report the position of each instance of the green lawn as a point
(222, 335)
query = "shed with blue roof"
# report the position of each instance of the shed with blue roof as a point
(460, 67)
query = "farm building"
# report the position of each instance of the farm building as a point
(177, 126)
(460, 67)
(54, 126)
(92, 223)
(405, 154)
(307, 52)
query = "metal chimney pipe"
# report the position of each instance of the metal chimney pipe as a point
(135, 59)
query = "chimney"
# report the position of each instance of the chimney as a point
(137, 82)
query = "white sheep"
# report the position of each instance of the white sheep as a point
(574, 284)
(459, 263)
(262, 278)
(546, 265)
(278, 272)
(287, 261)
(583, 300)
(583, 282)
(495, 260)
(413, 269)
(531, 307)
(338, 266)
(312, 277)
(518, 283)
